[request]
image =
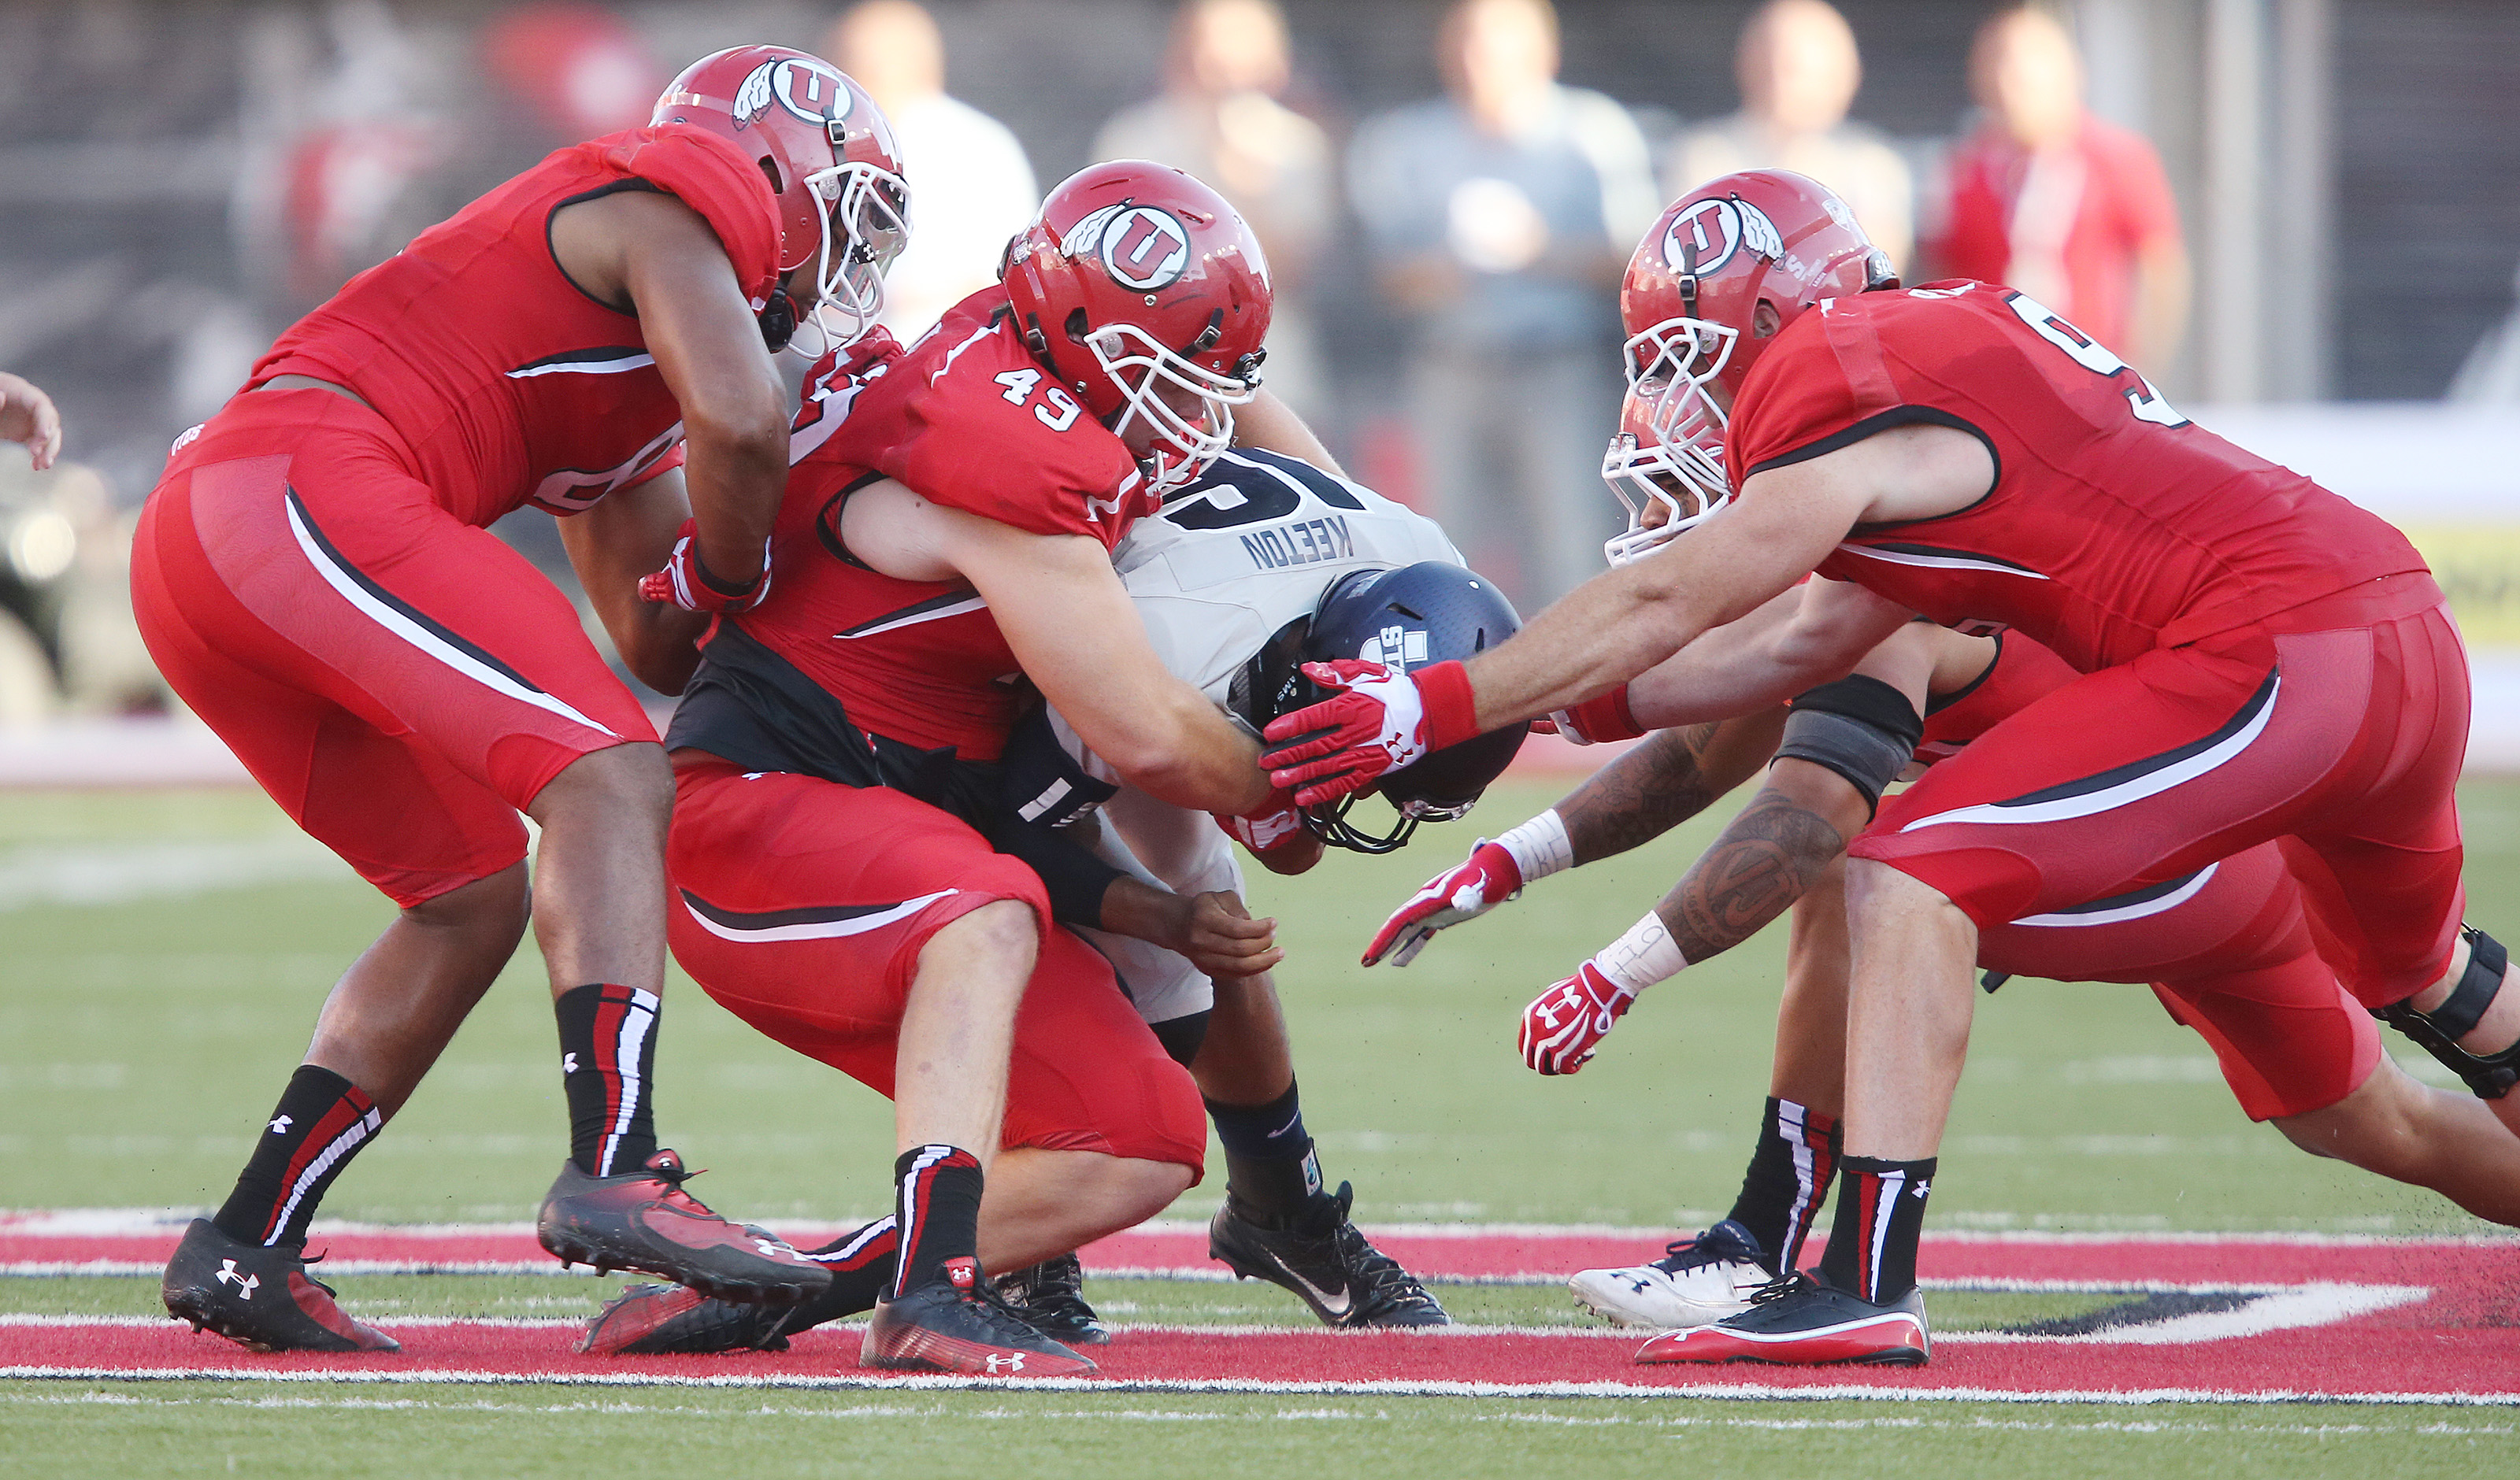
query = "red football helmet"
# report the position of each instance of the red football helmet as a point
(1691, 297)
(1665, 486)
(830, 155)
(1137, 280)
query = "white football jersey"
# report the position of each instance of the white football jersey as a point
(1250, 547)
(1247, 549)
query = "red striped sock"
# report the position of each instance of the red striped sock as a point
(321, 1122)
(938, 1208)
(607, 1059)
(1871, 1251)
(1788, 1178)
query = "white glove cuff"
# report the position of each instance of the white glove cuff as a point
(1539, 846)
(1645, 955)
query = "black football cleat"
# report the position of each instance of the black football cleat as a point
(959, 1324)
(676, 1321)
(1051, 1298)
(644, 1220)
(261, 1298)
(1801, 1320)
(1325, 1260)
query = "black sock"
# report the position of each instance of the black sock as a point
(1787, 1180)
(1270, 1166)
(862, 1263)
(1871, 1251)
(938, 1208)
(321, 1122)
(607, 1064)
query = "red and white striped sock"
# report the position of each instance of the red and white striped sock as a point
(938, 1209)
(321, 1122)
(607, 1063)
(1871, 1251)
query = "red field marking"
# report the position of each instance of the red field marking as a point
(2429, 1320)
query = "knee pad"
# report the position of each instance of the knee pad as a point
(2438, 1032)
(1859, 727)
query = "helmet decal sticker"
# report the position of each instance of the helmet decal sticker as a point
(810, 89)
(1146, 247)
(1838, 213)
(1717, 228)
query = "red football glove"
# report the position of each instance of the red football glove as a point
(687, 583)
(1565, 1024)
(1466, 891)
(1267, 826)
(1384, 719)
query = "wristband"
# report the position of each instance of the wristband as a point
(1603, 717)
(1645, 955)
(1449, 713)
(1539, 846)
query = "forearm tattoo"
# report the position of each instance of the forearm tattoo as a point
(1765, 861)
(1652, 788)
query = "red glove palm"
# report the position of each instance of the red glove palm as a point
(1565, 1024)
(684, 582)
(1384, 718)
(1466, 891)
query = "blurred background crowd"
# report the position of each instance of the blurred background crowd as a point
(2255, 200)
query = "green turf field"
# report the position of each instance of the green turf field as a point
(167, 953)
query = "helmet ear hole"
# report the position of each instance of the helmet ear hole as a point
(1077, 324)
(770, 167)
(1765, 321)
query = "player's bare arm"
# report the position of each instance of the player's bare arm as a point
(1788, 519)
(1212, 930)
(1072, 624)
(612, 546)
(1265, 421)
(649, 254)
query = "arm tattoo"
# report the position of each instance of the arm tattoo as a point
(1764, 862)
(1644, 794)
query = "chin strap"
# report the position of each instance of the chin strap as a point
(2438, 1032)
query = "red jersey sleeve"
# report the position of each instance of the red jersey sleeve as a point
(711, 176)
(1822, 377)
(980, 427)
(2023, 672)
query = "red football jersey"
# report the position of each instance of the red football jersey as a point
(2115, 525)
(967, 418)
(510, 384)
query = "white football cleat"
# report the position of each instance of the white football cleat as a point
(1697, 1283)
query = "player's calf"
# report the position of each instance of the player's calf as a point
(2440, 1030)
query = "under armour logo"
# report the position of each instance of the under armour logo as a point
(568, 1064)
(771, 1248)
(279, 1125)
(1923, 1187)
(245, 1285)
(1007, 1362)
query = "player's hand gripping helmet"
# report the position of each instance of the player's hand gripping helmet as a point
(829, 156)
(1149, 297)
(1665, 486)
(1413, 616)
(1723, 272)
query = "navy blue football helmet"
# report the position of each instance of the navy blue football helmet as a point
(1412, 616)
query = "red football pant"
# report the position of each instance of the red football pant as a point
(2227, 951)
(2346, 743)
(801, 906)
(401, 683)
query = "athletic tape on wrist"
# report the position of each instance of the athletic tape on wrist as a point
(1645, 955)
(1539, 846)
(1450, 713)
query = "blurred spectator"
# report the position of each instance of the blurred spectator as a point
(27, 414)
(1219, 118)
(2071, 211)
(970, 187)
(1500, 218)
(1799, 72)
(575, 65)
